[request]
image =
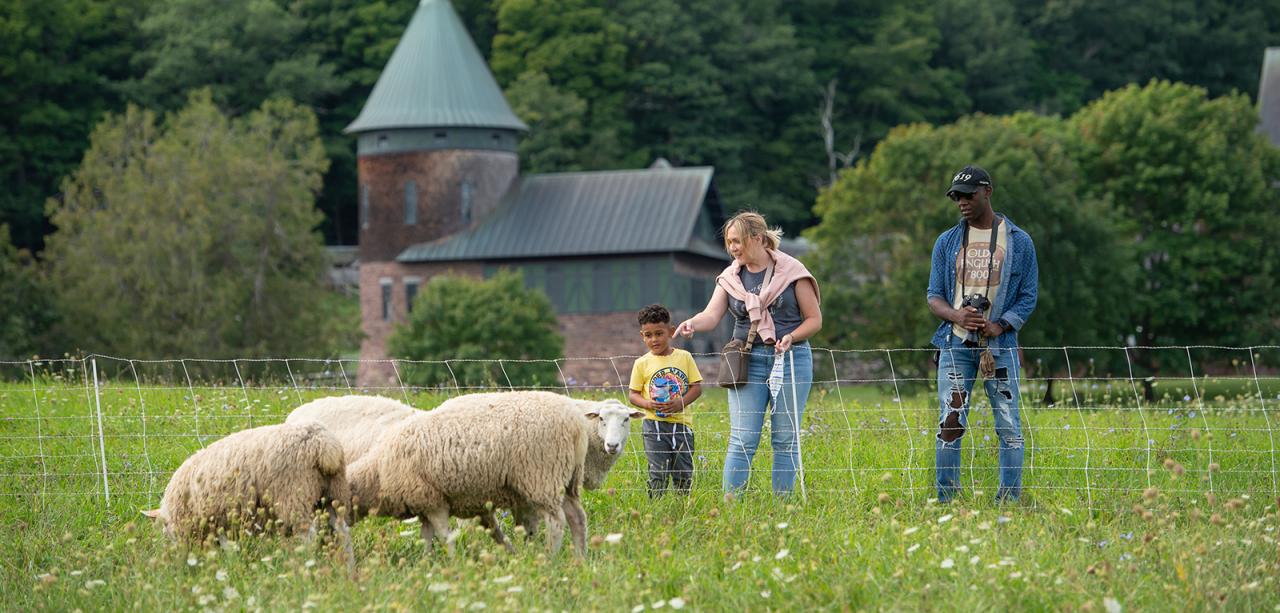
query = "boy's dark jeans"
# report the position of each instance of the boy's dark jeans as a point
(669, 448)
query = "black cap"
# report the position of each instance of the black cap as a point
(969, 179)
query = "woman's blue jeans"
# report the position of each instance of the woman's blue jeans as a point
(748, 404)
(957, 371)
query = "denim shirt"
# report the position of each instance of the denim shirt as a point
(1019, 280)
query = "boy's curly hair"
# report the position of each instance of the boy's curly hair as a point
(654, 314)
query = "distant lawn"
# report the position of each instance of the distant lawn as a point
(1103, 517)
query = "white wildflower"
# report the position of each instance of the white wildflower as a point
(613, 538)
(948, 563)
(782, 554)
(1112, 605)
(676, 603)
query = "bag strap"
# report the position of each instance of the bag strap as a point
(755, 325)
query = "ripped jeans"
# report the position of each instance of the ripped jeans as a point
(957, 371)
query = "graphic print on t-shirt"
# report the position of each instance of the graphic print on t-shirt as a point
(972, 263)
(668, 384)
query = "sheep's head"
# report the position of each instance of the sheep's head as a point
(613, 423)
(156, 516)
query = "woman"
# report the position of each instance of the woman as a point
(786, 313)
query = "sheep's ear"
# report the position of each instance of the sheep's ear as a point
(592, 415)
(637, 414)
(153, 513)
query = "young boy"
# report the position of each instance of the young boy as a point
(664, 382)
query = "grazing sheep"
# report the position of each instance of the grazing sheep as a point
(283, 472)
(520, 450)
(358, 422)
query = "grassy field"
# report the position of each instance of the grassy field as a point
(1167, 504)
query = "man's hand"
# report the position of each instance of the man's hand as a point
(970, 318)
(991, 329)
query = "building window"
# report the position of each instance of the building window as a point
(467, 191)
(386, 298)
(410, 292)
(364, 207)
(441, 137)
(410, 203)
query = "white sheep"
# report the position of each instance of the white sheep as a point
(358, 422)
(520, 450)
(281, 473)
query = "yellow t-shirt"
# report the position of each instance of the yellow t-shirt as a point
(664, 378)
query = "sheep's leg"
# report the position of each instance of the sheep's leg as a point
(343, 533)
(555, 518)
(577, 519)
(528, 518)
(490, 522)
(435, 524)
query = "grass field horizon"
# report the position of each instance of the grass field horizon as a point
(1129, 503)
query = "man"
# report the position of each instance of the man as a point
(983, 287)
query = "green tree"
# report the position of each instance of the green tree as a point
(1088, 47)
(59, 64)
(880, 220)
(991, 49)
(580, 49)
(476, 323)
(558, 138)
(243, 51)
(1198, 182)
(195, 237)
(726, 83)
(246, 51)
(26, 313)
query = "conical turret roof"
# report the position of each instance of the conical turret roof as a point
(436, 78)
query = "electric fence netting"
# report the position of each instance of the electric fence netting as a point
(1100, 424)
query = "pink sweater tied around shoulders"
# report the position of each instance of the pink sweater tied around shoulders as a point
(786, 270)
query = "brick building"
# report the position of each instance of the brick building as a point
(441, 191)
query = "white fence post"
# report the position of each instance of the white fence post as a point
(102, 443)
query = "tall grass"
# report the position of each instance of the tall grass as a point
(1170, 506)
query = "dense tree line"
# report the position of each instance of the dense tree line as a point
(1147, 206)
(788, 100)
(740, 84)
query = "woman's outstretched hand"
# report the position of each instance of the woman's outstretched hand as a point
(685, 328)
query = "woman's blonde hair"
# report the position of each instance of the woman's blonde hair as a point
(751, 223)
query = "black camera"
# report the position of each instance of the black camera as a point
(977, 301)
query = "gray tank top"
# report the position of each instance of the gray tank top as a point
(785, 309)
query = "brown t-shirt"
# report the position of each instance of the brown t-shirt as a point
(973, 262)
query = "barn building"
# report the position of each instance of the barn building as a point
(441, 192)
